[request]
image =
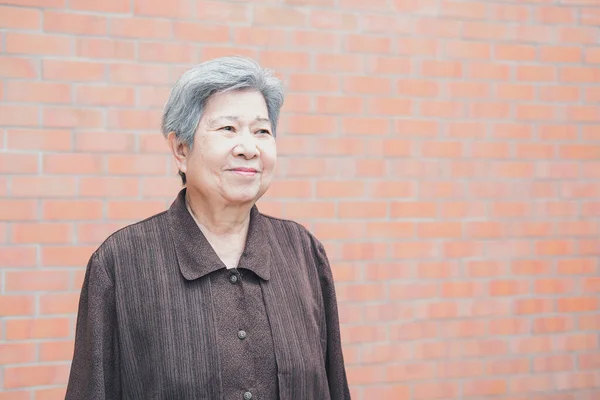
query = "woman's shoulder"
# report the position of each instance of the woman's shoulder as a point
(131, 236)
(294, 232)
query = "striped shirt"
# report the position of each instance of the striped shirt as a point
(161, 317)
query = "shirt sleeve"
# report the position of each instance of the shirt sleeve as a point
(94, 371)
(336, 371)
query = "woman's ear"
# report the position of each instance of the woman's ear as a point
(179, 150)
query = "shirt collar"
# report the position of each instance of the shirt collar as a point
(196, 256)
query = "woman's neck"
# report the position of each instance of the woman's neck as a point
(218, 220)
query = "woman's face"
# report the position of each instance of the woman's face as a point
(234, 153)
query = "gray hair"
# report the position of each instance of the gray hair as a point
(183, 110)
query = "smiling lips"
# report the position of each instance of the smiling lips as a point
(245, 171)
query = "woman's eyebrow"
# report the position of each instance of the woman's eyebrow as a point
(233, 118)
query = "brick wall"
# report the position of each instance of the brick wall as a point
(446, 152)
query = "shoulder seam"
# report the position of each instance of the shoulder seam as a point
(160, 214)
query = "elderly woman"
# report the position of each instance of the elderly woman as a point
(212, 299)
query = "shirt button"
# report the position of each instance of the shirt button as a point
(247, 396)
(233, 278)
(242, 335)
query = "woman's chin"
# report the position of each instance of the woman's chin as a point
(243, 195)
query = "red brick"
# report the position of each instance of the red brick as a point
(28, 281)
(411, 46)
(78, 24)
(16, 67)
(130, 119)
(365, 126)
(72, 210)
(38, 92)
(66, 256)
(16, 210)
(64, 163)
(51, 394)
(487, 387)
(285, 60)
(389, 106)
(67, 117)
(420, 88)
(539, 383)
(388, 65)
(577, 380)
(486, 31)
(37, 3)
(555, 15)
(136, 164)
(322, 19)
(109, 187)
(579, 35)
(312, 124)
(488, 71)
(367, 85)
(106, 48)
(367, 44)
(258, 36)
(389, 391)
(365, 210)
(15, 305)
(56, 351)
(314, 83)
(72, 70)
(579, 74)
(38, 375)
(463, 9)
(22, 329)
(46, 186)
(576, 304)
(413, 250)
(489, 110)
(19, 115)
(41, 233)
(339, 230)
(59, 303)
(528, 33)
(146, 28)
(280, 16)
(536, 73)
(589, 361)
(30, 43)
(339, 104)
(377, 23)
(108, 6)
(592, 55)
(438, 390)
(18, 163)
(315, 209)
(16, 353)
(210, 52)
(21, 256)
(18, 18)
(468, 50)
(49, 140)
(105, 95)
(139, 74)
(339, 63)
(166, 52)
(552, 324)
(172, 9)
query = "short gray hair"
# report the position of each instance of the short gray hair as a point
(183, 110)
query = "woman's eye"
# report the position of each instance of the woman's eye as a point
(227, 128)
(264, 131)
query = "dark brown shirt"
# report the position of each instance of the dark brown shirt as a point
(160, 316)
